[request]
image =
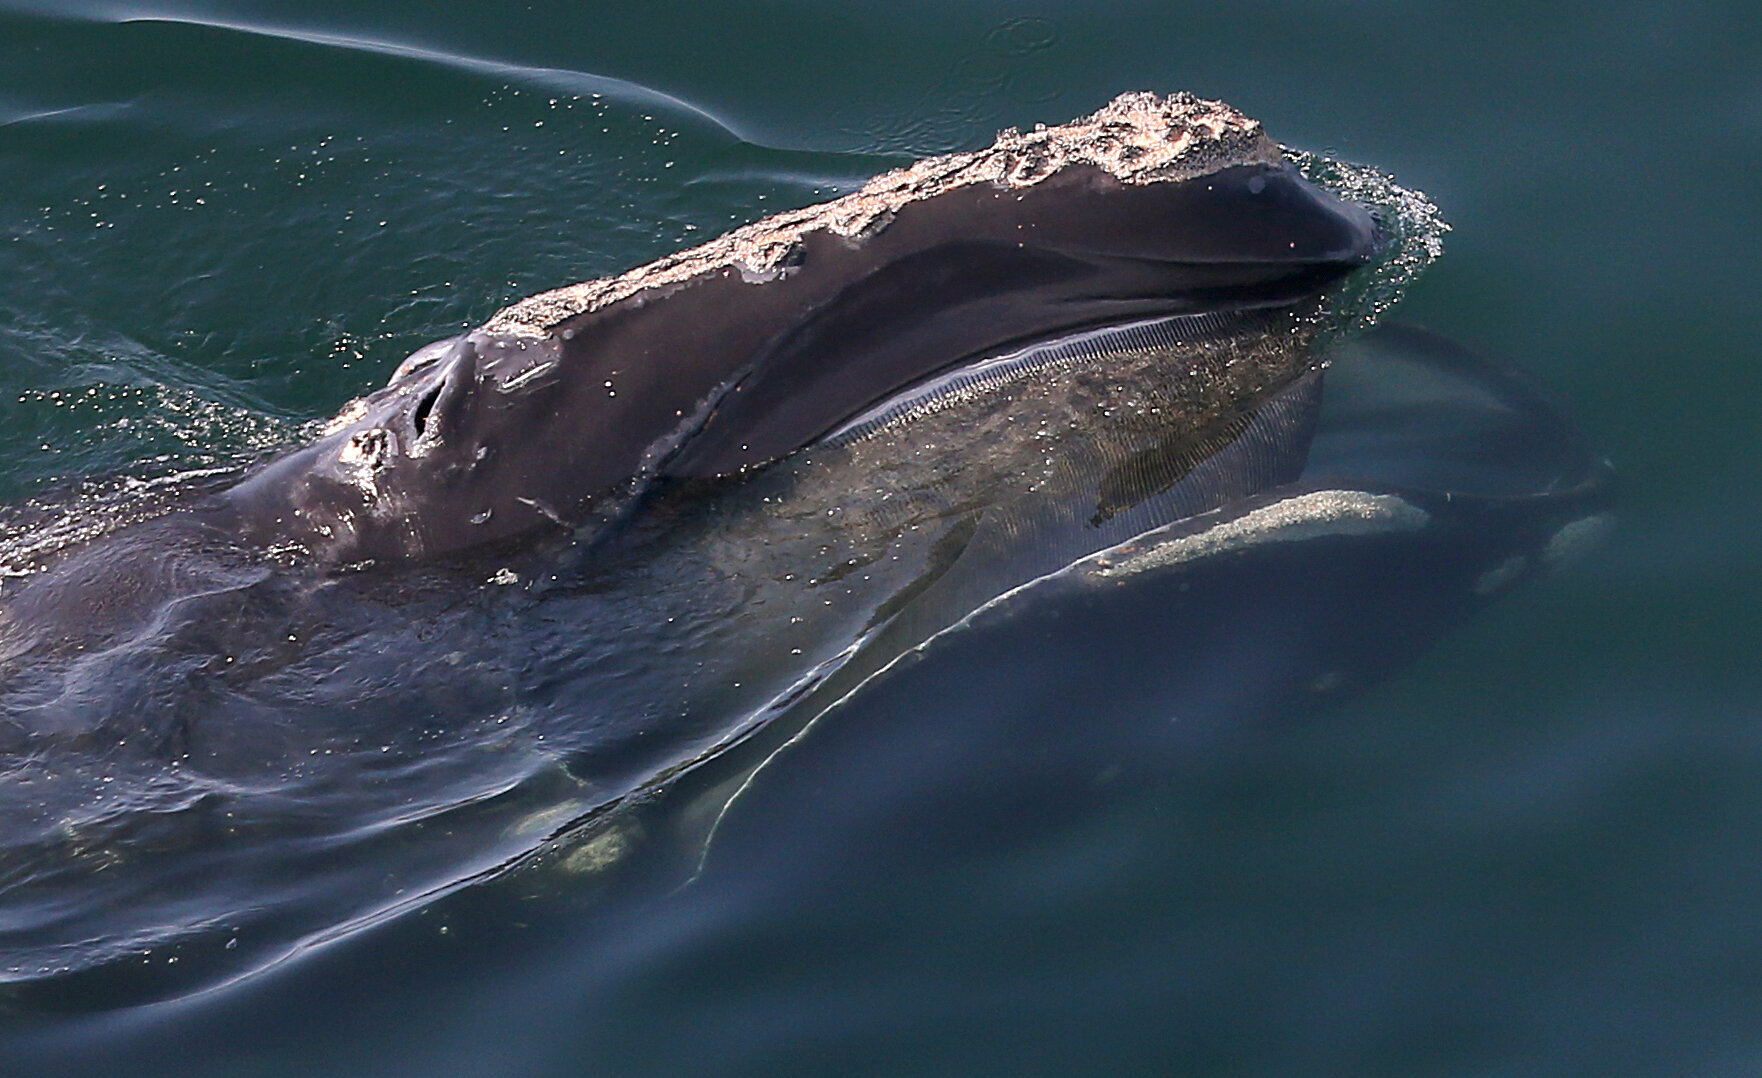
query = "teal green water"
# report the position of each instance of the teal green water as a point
(1532, 853)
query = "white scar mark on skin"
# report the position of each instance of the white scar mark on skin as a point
(544, 510)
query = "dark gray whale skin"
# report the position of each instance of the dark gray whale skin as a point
(492, 435)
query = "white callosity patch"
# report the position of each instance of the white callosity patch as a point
(1316, 515)
(365, 455)
(550, 820)
(600, 852)
(352, 413)
(1502, 576)
(1577, 537)
(1320, 514)
(1139, 138)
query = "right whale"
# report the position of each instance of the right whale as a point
(1059, 398)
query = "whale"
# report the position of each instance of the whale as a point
(1090, 391)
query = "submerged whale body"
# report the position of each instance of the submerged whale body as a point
(661, 530)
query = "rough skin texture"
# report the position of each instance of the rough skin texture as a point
(1137, 137)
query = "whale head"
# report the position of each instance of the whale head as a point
(726, 357)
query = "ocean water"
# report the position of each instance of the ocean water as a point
(1531, 851)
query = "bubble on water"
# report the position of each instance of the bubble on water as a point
(1413, 232)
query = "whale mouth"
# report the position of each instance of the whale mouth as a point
(957, 280)
(1084, 348)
